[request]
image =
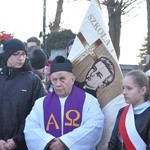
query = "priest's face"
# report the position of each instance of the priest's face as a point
(62, 82)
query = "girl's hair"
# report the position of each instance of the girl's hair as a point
(142, 80)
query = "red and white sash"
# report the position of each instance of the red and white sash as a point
(127, 129)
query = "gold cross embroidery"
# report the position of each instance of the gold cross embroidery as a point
(89, 50)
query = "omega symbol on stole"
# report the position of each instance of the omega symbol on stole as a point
(71, 121)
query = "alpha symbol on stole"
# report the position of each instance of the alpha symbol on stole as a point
(52, 121)
(71, 121)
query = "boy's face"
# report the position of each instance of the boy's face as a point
(17, 59)
(29, 44)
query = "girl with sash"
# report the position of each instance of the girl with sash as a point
(132, 127)
(67, 118)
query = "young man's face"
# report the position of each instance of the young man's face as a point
(29, 44)
(97, 75)
(17, 59)
(62, 82)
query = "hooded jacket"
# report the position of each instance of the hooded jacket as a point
(19, 88)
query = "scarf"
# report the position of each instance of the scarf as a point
(128, 132)
(72, 112)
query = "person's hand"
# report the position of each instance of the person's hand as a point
(2, 145)
(56, 145)
(10, 144)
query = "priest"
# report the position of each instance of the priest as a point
(67, 118)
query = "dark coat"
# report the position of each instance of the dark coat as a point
(142, 124)
(19, 88)
(81, 85)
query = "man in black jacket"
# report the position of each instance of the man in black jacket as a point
(19, 87)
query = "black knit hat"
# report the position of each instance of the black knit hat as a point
(38, 59)
(12, 46)
(61, 64)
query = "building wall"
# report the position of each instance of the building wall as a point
(126, 68)
(61, 52)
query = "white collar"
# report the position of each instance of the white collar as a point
(141, 108)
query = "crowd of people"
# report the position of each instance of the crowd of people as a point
(42, 107)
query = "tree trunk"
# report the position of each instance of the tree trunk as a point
(148, 20)
(114, 13)
(55, 27)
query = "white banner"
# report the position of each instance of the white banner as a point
(96, 67)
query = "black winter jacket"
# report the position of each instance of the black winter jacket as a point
(142, 124)
(19, 88)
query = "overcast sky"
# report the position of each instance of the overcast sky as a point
(24, 18)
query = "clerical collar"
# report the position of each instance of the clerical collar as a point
(62, 98)
(141, 108)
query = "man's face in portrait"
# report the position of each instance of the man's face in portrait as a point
(97, 75)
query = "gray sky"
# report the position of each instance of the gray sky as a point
(24, 18)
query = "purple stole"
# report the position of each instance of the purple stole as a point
(72, 112)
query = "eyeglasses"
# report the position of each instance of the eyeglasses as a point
(18, 54)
